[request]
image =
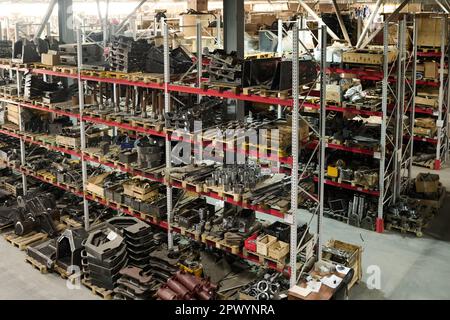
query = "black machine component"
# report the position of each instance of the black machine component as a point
(69, 247)
(282, 79)
(5, 49)
(127, 55)
(209, 112)
(36, 213)
(136, 284)
(92, 53)
(150, 152)
(26, 52)
(44, 253)
(180, 62)
(35, 86)
(193, 214)
(259, 72)
(104, 256)
(225, 67)
(138, 237)
(269, 286)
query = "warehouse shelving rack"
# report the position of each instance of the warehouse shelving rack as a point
(441, 142)
(296, 104)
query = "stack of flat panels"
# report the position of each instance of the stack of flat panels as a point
(127, 55)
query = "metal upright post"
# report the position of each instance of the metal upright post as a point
(219, 30)
(439, 122)
(399, 110)
(168, 144)
(382, 180)
(322, 125)
(295, 147)
(21, 128)
(199, 58)
(280, 53)
(82, 127)
(412, 115)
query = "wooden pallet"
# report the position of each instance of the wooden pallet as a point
(37, 265)
(197, 236)
(22, 242)
(428, 49)
(426, 164)
(73, 278)
(101, 292)
(147, 78)
(149, 125)
(71, 223)
(260, 55)
(118, 75)
(219, 86)
(218, 243)
(65, 69)
(264, 260)
(93, 73)
(221, 193)
(362, 106)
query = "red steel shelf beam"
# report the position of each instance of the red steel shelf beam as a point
(349, 187)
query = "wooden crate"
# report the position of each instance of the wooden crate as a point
(278, 250)
(369, 56)
(148, 193)
(355, 261)
(263, 243)
(429, 32)
(426, 101)
(95, 184)
(74, 142)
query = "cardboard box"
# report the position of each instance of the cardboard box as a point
(425, 101)
(427, 183)
(333, 93)
(50, 59)
(429, 123)
(188, 24)
(429, 32)
(198, 5)
(431, 70)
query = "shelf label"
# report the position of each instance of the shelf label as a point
(439, 123)
(377, 155)
(215, 202)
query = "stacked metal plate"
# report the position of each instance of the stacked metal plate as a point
(135, 284)
(138, 236)
(127, 55)
(5, 49)
(104, 256)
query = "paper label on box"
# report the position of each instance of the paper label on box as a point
(111, 236)
(439, 123)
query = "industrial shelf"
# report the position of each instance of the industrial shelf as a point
(161, 224)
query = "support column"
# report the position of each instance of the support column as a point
(234, 28)
(65, 21)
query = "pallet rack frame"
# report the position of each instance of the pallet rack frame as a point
(168, 88)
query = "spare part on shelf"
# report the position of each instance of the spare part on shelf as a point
(236, 178)
(150, 152)
(91, 53)
(282, 79)
(104, 256)
(5, 49)
(36, 213)
(193, 214)
(35, 86)
(138, 236)
(259, 72)
(25, 51)
(269, 286)
(179, 63)
(136, 284)
(127, 55)
(184, 286)
(209, 112)
(44, 253)
(69, 246)
(225, 67)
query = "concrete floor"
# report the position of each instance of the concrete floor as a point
(409, 268)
